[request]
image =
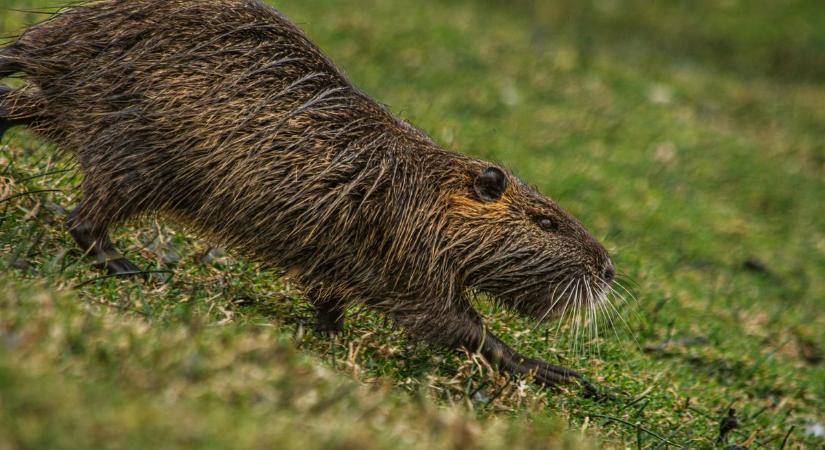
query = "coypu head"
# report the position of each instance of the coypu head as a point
(524, 249)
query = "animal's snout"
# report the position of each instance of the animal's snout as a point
(608, 271)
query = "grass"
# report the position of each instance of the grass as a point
(688, 136)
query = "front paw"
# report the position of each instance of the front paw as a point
(121, 266)
(546, 374)
(329, 324)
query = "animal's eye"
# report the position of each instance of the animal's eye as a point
(546, 223)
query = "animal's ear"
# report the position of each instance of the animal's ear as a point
(490, 184)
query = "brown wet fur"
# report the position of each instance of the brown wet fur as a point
(224, 116)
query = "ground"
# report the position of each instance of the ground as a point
(688, 136)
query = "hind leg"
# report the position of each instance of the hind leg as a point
(93, 239)
(329, 312)
(330, 317)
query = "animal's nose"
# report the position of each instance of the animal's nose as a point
(609, 271)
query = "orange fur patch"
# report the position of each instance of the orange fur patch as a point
(471, 207)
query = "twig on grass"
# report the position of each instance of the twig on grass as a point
(500, 391)
(45, 174)
(639, 429)
(22, 194)
(117, 275)
(787, 435)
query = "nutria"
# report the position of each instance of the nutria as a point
(224, 116)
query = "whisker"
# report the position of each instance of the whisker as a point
(623, 298)
(563, 312)
(610, 306)
(607, 314)
(576, 348)
(592, 303)
(618, 294)
(550, 308)
(588, 337)
(629, 330)
(624, 276)
(627, 291)
(574, 315)
(582, 319)
(596, 305)
(586, 303)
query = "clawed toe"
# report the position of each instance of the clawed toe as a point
(329, 326)
(550, 375)
(329, 314)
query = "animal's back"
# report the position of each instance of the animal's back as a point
(220, 112)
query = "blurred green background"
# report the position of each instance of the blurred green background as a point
(689, 136)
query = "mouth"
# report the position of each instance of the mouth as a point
(571, 293)
(577, 292)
